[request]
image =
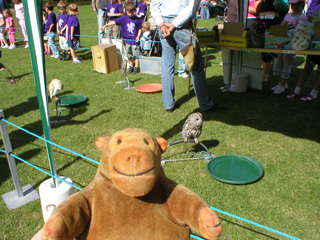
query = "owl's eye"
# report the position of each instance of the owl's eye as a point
(119, 141)
(146, 141)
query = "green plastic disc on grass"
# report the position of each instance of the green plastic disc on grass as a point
(71, 100)
(235, 169)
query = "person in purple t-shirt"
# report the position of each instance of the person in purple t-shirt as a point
(114, 11)
(131, 27)
(313, 6)
(142, 9)
(61, 30)
(50, 28)
(73, 31)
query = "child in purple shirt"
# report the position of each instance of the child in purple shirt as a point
(114, 11)
(142, 9)
(61, 30)
(50, 28)
(131, 32)
(73, 31)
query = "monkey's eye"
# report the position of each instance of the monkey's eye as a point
(119, 141)
(146, 141)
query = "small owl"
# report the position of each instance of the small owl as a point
(192, 127)
(54, 87)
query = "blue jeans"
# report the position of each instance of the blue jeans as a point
(182, 38)
(101, 21)
(51, 43)
(204, 11)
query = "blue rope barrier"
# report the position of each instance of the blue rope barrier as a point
(34, 166)
(193, 236)
(254, 223)
(196, 237)
(139, 57)
(37, 136)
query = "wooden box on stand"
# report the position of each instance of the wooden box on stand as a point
(105, 58)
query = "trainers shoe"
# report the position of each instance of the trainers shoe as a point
(26, 46)
(183, 75)
(5, 46)
(176, 106)
(12, 47)
(135, 70)
(55, 56)
(292, 95)
(130, 70)
(77, 61)
(68, 57)
(63, 56)
(279, 89)
(307, 98)
(276, 86)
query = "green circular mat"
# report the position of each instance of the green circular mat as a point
(73, 99)
(235, 169)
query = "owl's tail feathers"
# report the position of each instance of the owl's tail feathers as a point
(181, 140)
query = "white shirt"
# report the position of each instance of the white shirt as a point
(182, 10)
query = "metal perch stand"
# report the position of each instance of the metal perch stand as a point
(124, 75)
(206, 155)
(11, 80)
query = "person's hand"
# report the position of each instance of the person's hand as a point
(166, 29)
(170, 26)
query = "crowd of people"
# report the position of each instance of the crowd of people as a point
(7, 25)
(66, 26)
(128, 24)
(129, 20)
(267, 12)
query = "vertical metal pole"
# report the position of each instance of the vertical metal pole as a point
(230, 66)
(11, 160)
(33, 17)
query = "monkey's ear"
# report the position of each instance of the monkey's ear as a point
(101, 142)
(162, 144)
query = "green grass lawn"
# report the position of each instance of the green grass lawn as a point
(282, 134)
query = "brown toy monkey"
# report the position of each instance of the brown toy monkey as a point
(131, 198)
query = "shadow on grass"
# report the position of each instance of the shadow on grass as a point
(134, 81)
(19, 138)
(84, 54)
(30, 105)
(249, 229)
(261, 110)
(59, 172)
(267, 112)
(178, 127)
(4, 167)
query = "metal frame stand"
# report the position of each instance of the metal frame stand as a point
(21, 195)
(10, 80)
(58, 112)
(207, 156)
(124, 75)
